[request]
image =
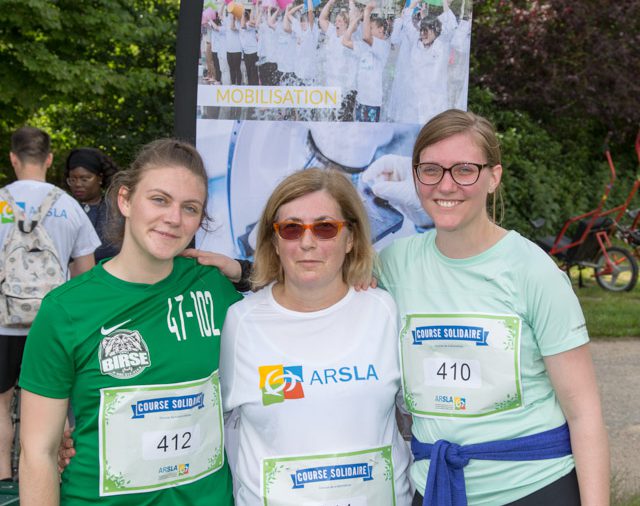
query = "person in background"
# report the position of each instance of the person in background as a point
(249, 43)
(496, 366)
(340, 63)
(88, 172)
(372, 52)
(72, 235)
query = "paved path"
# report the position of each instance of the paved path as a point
(617, 365)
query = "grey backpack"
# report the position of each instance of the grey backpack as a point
(29, 264)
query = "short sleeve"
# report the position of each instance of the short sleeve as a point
(553, 310)
(227, 359)
(86, 239)
(48, 365)
(360, 48)
(380, 49)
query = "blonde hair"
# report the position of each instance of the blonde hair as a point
(358, 263)
(453, 122)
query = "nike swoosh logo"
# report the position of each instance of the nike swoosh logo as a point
(106, 332)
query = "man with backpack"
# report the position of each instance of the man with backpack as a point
(45, 237)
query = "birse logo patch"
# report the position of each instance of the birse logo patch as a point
(123, 354)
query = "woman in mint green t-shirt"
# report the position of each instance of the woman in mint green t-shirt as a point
(496, 367)
(133, 345)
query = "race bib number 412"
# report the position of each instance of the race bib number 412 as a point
(461, 365)
(159, 436)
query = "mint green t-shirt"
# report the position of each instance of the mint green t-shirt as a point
(139, 364)
(474, 334)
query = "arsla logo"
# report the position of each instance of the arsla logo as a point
(451, 403)
(278, 383)
(123, 354)
(173, 471)
(6, 213)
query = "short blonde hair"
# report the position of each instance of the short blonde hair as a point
(358, 263)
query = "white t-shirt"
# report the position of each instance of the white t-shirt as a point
(286, 49)
(371, 62)
(248, 40)
(232, 37)
(271, 44)
(218, 42)
(340, 61)
(66, 223)
(430, 78)
(306, 64)
(343, 380)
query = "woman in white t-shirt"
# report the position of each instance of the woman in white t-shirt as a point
(312, 393)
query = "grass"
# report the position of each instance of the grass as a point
(618, 498)
(626, 501)
(608, 314)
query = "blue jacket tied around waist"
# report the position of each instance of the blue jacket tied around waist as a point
(445, 481)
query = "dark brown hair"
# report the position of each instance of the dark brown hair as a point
(31, 145)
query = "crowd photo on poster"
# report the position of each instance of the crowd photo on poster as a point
(335, 60)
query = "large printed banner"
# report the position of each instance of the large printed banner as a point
(285, 85)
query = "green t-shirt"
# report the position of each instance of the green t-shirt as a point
(139, 363)
(474, 334)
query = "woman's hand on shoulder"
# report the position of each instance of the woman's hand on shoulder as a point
(365, 285)
(230, 267)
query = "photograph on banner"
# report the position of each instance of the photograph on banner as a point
(399, 61)
(245, 161)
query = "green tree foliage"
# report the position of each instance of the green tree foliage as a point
(556, 76)
(562, 57)
(93, 72)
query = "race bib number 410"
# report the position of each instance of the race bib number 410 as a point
(159, 436)
(461, 365)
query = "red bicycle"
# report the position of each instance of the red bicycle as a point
(590, 247)
(630, 234)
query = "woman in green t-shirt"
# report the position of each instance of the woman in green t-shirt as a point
(133, 346)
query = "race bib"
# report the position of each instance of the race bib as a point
(461, 365)
(362, 478)
(158, 436)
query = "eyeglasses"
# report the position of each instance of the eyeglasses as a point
(80, 180)
(292, 230)
(464, 174)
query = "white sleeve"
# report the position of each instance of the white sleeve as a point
(396, 33)
(227, 359)
(360, 48)
(86, 240)
(380, 49)
(295, 27)
(409, 28)
(449, 24)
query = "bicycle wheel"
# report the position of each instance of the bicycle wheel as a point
(620, 273)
